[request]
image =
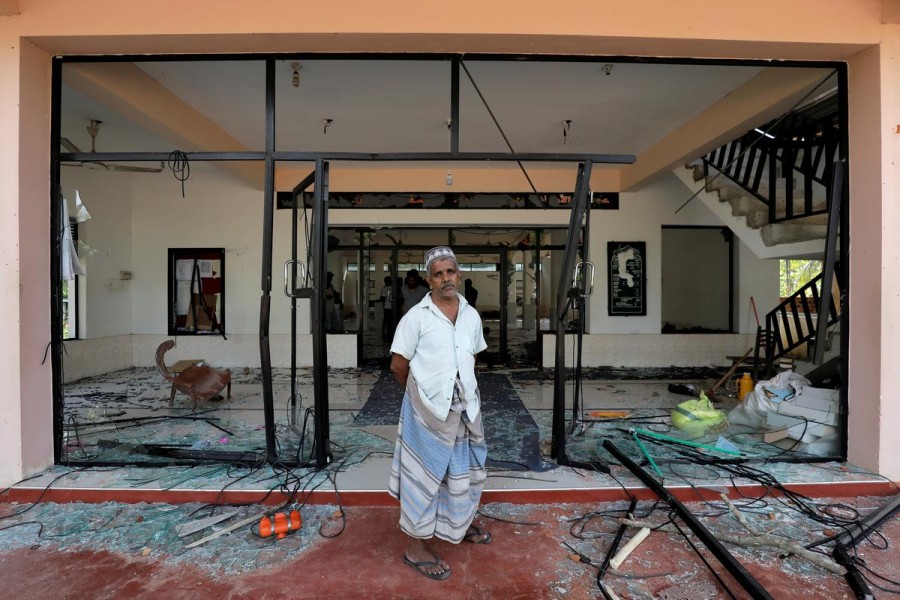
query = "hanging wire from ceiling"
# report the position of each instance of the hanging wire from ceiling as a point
(497, 123)
(180, 166)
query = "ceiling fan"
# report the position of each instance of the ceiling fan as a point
(93, 129)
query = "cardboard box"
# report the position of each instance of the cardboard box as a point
(818, 398)
(796, 428)
(788, 407)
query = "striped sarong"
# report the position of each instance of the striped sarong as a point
(438, 470)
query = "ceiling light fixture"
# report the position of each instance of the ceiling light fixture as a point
(326, 124)
(608, 69)
(566, 125)
(295, 78)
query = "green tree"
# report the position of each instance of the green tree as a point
(797, 273)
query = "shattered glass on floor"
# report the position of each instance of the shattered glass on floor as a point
(125, 417)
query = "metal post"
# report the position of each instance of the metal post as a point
(320, 347)
(454, 105)
(736, 569)
(824, 308)
(265, 302)
(582, 182)
(294, 198)
(504, 300)
(844, 240)
(362, 301)
(538, 273)
(56, 228)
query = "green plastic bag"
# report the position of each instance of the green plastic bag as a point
(697, 416)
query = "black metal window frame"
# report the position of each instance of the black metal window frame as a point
(269, 155)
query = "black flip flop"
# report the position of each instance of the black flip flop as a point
(428, 563)
(470, 537)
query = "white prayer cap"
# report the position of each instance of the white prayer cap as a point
(438, 253)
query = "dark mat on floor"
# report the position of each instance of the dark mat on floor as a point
(625, 373)
(512, 435)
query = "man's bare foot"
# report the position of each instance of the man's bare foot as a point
(419, 554)
(475, 535)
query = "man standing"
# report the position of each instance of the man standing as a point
(413, 291)
(471, 294)
(438, 468)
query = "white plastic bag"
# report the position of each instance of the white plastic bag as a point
(765, 397)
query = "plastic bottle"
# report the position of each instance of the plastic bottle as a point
(745, 386)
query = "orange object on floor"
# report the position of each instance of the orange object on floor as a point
(745, 386)
(610, 414)
(280, 524)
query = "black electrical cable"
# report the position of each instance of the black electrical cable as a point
(703, 558)
(181, 167)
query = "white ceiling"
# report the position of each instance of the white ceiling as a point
(403, 106)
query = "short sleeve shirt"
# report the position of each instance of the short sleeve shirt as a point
(438, 350)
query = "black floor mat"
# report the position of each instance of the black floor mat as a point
(512, 435)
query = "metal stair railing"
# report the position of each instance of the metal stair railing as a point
(793, 322)
(795, 146)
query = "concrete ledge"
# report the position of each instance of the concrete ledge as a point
(26, 495)
(651, 350)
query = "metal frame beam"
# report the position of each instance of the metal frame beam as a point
(265, 302)
(319, 268)
(737, 570)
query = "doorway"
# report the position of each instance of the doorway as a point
(372, 267)
(697, 279)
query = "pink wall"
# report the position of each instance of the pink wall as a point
(11, 398)
(840, 29)
(653, 27)
(889, 450)
(865, 257)
(34, 256)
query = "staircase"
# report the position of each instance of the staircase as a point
(777, 176)
(794, 322)
(755, 215)
(772, 187)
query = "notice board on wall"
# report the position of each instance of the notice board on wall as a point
(196, 291)
(627, 262)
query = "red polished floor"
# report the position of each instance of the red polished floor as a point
(524, 561)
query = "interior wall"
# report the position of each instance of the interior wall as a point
(640, 218)
(757, 279)
(695, 278)
(222, 212)
(105, 298)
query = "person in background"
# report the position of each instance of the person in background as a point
(471, 294)
(413, 291)
(437, 472)
(387, 304)
(333, 320)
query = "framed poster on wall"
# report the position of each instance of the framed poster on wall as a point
(627, 278)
